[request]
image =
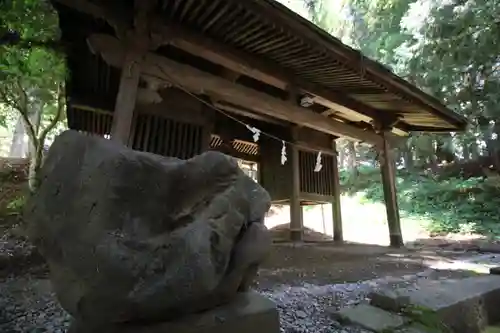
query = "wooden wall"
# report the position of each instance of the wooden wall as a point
(180, 126)
(274, 177)
(318, 183)
(167, 137)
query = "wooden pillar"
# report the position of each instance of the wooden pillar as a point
(126, 99)
(296, 216)
(338, 235)
(208, 128)
(388, 167)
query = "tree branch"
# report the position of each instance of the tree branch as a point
(57, 117)
(23, 111)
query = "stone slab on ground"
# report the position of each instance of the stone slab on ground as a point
(388, 300)
(370, 318)
(465, 305)
(495, 270)
(413, 329)
(249, 312)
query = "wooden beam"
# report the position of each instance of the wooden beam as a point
(296, 214)
(221, 54)
(375, 71)
(329, 112)
(143, 9)
(314, 199)
(306, 140)
(126, 99)
(339, 109)
(389, 185)
(229, 133)
(136, 42)
(246, 113)
(268, 72)
(232, 59)
(338, 234)
(160, 68)
(358, 63)
(314, 148)
(314, 140)
(230, 75)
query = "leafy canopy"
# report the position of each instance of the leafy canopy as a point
(29, 72)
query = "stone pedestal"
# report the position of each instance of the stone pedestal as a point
(249, 312)
(464, 306)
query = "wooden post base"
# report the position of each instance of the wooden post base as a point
(296, 235)
(391, 202)
(396, 241)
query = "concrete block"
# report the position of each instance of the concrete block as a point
(495, 270)
(389, 300)
(370, 318)
(465, 306)
(249, 312)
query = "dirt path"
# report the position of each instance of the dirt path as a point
(305, 281)
(326, 263)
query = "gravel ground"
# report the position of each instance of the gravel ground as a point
(306, 282)
(28, 305)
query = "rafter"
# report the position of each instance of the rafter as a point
(267, 72)
(156, 67)
(231, 58)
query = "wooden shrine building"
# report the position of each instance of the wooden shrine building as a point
(179, 77)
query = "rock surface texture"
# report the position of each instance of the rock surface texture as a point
(135, 237)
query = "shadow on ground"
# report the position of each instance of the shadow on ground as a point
(327, 263)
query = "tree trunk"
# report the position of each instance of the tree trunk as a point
(35, 119)
(496, 145)
(352, 161)
(36, 160)
(408, 158)
(35, 156)
(18, 146)
(474, 150)
(487, 132)
(465, 150)
(341, 153)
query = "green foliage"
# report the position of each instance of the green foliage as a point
(425, 318)
(450, 49)
(452, 205)
(31, 73)
(366, 176)
(16, 205)
(24, 68)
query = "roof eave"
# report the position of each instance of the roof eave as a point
(379, 71)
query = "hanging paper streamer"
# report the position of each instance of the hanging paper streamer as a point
(318, 166)
(283, 153)
(255, 131)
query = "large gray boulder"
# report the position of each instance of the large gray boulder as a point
(135, 237)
